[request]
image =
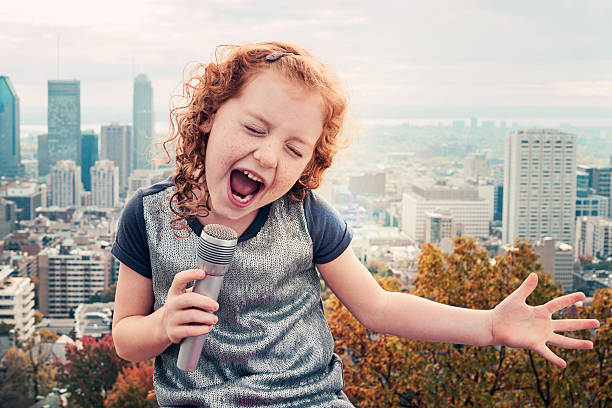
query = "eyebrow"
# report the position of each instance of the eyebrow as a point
(260, 118)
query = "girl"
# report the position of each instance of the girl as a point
(260, 127)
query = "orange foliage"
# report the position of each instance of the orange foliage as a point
(91, 370)
(133, 386)
(382, 370)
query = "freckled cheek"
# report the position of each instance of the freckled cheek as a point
(289, 177)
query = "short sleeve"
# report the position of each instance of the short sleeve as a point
(130, 246)
(329, 232)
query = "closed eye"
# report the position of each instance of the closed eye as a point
(294, 151)
(254, 131)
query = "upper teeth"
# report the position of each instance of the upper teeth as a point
(252, 176)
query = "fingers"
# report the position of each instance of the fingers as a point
(181, 279)
(195, 300)
(545, 352)
(197, 316)
(569, 343)
(189, 331)
(562, 302)
(567, 325)
(527, 286)
(189, 314)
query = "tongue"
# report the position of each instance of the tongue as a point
(242, 184)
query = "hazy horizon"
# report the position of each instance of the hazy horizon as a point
(397, 60)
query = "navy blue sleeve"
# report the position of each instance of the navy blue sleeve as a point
(330, 234)
(130, 246)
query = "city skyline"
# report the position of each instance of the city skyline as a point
(402, 60)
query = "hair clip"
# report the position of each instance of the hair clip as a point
(277, 55)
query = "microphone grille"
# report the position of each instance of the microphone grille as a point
(220, 232)
(217, 244)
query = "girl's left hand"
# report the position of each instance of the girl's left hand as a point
(516, 324)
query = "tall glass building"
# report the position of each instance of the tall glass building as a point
(89, 156)
(10, 155)
(142, 122)
(64, 122)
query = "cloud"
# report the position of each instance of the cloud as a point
(597, 88)
(476, 52)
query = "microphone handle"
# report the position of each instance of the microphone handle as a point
(191, 347)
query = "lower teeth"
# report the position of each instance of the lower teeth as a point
(242, 199)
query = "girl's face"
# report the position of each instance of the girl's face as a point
(260, 142)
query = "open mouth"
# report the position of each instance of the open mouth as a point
(243, 186)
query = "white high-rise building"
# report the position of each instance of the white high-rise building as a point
(594, 236)
(17, 302)
(470, 214)
(65, 184)
(104, 184)
(539, 185)
(70, 275)
(116, 145)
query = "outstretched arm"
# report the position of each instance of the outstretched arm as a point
(512, 322)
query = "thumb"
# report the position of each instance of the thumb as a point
(527, 287)
(181, 279)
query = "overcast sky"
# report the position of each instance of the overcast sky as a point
(396, 58)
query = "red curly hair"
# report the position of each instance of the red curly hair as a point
(211, 85)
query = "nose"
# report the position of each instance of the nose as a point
(266, 155)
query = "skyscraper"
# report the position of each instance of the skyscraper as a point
(65, 184)
(17, 302)
(89, 154)
(105, 184)
(64, 122)
(70, 275)
(10, 155)
(498, 203)
(602, 183)
(539, 185)
(582, 184)
(116, 145)
(28, 197)
(43, 155)
(8, 217)
(142, 122)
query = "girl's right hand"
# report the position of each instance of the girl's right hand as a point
(187, 313)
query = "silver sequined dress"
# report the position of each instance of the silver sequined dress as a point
(272, 346)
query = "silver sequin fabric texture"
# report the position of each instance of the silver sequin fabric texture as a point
(272, 346)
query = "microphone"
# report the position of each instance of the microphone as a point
(215, 251)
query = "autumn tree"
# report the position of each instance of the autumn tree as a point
(133, 386)
(38, 317)
(375, 366)
(15, 390)
(25, 373)
(383, 370)
(91, 370)
(379, 268)
(600, 379)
